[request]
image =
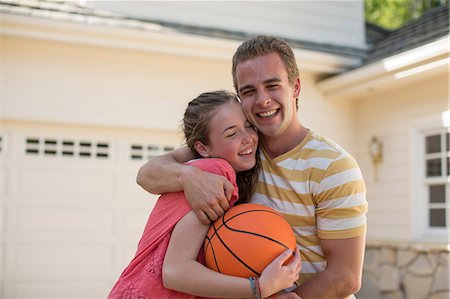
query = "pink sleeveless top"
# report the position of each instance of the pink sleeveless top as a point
(143, 276)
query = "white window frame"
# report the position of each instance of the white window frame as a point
(428, 126)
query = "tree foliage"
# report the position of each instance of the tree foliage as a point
(392, 14)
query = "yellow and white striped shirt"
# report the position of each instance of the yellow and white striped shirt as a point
(318, 187)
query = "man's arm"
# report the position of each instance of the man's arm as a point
(162, 174)
(342, 276)
(206, 193)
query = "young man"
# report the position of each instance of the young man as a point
(313, 182)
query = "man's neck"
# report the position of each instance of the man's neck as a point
(276, 146)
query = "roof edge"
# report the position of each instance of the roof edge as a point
(157, 40)
(427, 58)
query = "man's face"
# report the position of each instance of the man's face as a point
(268, 99)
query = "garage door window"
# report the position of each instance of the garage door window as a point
(148, 151)
(67, 147)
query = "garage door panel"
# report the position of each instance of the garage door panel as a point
(123, 254)
(2, 263)
(63, 220)
(58, 290)
(60, 259)
(2, 221)
(128, 188)
(3, 174)
(56, 237)
(71, 212)
(60, 183)
(133, 220)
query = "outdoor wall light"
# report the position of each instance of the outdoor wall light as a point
(376, 150)
(376, 153)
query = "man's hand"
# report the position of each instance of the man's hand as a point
(208, 194)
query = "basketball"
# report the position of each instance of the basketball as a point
(246, 239)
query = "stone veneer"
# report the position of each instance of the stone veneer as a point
(395, 270)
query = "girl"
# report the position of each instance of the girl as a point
(169, 259)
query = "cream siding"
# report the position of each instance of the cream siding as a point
(392, 116)
(59, 82)
(333, 119)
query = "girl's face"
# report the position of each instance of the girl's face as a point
(232, 137)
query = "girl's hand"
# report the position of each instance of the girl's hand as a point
(276, 277)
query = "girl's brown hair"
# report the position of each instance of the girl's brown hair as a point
(196, 127)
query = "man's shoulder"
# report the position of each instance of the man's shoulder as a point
(321, 143)
(319, 146)
(323, 151)
(339, 160)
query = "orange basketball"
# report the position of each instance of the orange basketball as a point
(246, 239)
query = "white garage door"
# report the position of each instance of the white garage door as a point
(71, 213)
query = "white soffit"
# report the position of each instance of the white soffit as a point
(155, 39)
(420, 62)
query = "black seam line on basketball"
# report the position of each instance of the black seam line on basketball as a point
(244, 212)
(252, 233)
(243, 263)
(209, 238)
(220, 239)
(213, 225)
(212, 248)
(215, 259)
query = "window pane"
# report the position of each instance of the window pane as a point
(437, 193)
(433, 144)
(434, 167)
(448, 166)
(447, 138)
(437, 217)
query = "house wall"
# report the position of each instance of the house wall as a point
(110, 87)
(333, 119)
(401, 259)
(393, 115)
(61, 82)
(331, 22)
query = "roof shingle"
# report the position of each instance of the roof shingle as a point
(431, 26)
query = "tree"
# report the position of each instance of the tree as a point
(392, 14)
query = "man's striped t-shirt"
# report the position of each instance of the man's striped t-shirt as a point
(318, 187)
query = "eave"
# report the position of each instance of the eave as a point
(153, 38)
(403, 68)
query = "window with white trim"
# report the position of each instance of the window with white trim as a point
(437, 179)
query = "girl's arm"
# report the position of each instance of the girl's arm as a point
(181, 271)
